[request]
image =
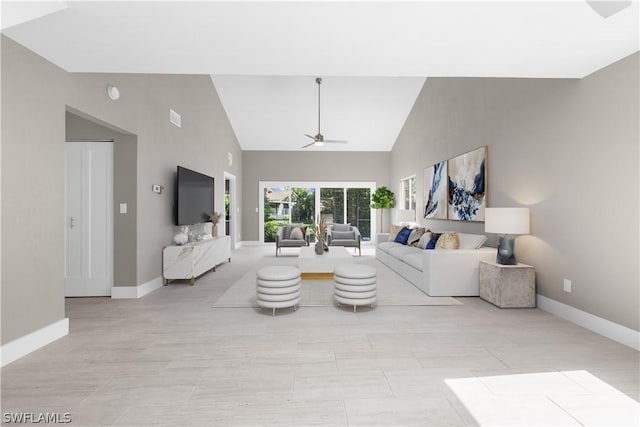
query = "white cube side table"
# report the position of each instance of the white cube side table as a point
(508, 286)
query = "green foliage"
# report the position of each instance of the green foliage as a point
(359, 210)
(267, 210)
(382, 198)
(304, 205)
(271, 228)
(332, 204)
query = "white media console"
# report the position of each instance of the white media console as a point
(193, 259)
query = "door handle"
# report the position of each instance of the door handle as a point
(71, 222)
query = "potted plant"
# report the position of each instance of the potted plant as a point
(382, 198)
(319, 229)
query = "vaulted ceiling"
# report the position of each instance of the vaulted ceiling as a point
(373, 56)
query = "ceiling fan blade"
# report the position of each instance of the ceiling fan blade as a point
(336, 141)
(312, 137)
(308, 145)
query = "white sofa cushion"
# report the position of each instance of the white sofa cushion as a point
(414, 260)
(471, 241)
(386, 246)
(401, 250)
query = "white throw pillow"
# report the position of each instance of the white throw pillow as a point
(471, 241)
(296, 234)
(415, 235)
(424, 239)
(341, 227)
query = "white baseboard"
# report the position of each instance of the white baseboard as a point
(611, 330)
(127, 292)
(251, 243)
(26, 344)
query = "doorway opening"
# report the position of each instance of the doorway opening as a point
(88, 218)
(230, 208)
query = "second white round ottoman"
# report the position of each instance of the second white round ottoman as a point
(355, 284)
(278, 287)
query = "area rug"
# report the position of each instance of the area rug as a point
(393, 290)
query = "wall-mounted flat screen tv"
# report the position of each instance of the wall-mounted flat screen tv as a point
(194, 197)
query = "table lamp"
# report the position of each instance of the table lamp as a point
(506, 222)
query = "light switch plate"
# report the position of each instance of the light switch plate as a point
(123, 208)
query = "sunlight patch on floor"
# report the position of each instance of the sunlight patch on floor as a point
(567, 398)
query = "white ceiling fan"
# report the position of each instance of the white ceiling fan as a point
(319, 138)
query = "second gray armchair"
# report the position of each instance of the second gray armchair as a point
(346, 235)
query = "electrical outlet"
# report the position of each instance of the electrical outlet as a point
(567, 285)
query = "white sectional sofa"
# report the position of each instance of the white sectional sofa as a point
(439, 272)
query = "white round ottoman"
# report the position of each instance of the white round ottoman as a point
(278, 287)
(355, 284)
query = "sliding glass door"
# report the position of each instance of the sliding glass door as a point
(332, 204)
(359, 210)
(300, 202)
(285, 205)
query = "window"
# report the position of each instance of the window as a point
(301, 202)
(408, 192)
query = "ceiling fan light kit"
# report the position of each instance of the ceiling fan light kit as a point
(318, 139)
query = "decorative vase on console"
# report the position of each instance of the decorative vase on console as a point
(215, 219)
(207, 229)
(182, 237)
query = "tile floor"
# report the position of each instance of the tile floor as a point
(171, 359)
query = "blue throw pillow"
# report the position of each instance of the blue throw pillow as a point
(403, 235)
(433, 241)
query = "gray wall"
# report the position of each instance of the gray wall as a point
(35, 96)
(124, 191)
(200, 144)
(305, 166)
(32, 191)
(568, 149)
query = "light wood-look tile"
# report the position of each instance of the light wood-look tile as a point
(172, 358)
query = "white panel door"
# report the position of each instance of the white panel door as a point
(88, 218)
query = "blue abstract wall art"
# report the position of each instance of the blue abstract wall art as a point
(467, 186)
(435, 196)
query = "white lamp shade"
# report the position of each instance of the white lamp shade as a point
(506, 220)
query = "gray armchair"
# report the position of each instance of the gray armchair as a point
(286, 237)
(344, 235)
